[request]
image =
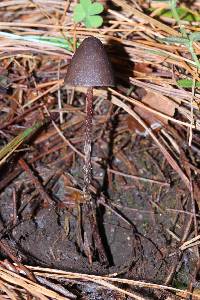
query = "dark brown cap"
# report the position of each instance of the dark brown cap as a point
(90, 65)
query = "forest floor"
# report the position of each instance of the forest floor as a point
(139, 238)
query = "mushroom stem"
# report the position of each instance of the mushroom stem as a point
(88, 143)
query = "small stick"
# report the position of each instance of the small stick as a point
(10, 253)
(46, 198)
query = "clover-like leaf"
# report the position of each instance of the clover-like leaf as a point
(79, 13)
(93, 21)
(85, 4)
(95, 9)
(87, 12)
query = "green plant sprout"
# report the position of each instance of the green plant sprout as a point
(186, 39)
(88, 13)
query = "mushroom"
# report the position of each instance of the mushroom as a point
(89, 67)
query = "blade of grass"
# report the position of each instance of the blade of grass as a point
(53, 41)
(7, 150)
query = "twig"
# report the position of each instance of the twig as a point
(138, 177)
(36, 182)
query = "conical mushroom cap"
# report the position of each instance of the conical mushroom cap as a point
(90, 65)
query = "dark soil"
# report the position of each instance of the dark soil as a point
(134, 225)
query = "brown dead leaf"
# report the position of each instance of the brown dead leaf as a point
(133, 125)
(150, 119)
(142, 68)
(160, 103)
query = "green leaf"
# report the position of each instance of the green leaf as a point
(85, 4)
(187, 83)
(79, 13)
(93, 21)
(95, 9)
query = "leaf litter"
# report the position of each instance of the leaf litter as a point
(146, 188)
